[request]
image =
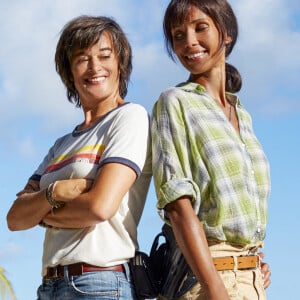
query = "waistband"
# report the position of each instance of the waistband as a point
(237, 262)
(78, 269)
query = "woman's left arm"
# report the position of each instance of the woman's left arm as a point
(98, 204)
(121, 163)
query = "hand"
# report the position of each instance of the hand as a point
(31, 187)
(67, 190)
(265, 272)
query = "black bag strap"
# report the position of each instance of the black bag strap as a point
(173, 274)
(155, 243)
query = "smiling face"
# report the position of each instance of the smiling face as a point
(96, 73)
(196, 43)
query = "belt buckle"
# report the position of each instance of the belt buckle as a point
(75, 269)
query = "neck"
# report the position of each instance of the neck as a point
(92, 115)
(214, 83)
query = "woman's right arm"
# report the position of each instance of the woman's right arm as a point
(177, 194)
(31, 205)
(29, 208)
(192, 242)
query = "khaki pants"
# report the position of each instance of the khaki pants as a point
(240, 284)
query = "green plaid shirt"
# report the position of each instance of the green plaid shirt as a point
(198, 153)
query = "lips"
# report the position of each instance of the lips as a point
(96, 80)
(195, 56)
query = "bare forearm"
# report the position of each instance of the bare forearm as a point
(191, 239)
(31, 205)
(27, 211)
(195, 250)
(72, 215)
(76, 212)
(87, 209)
(95, 203)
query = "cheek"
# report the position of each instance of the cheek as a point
(75, 82)
(176, 48)
(116, 73)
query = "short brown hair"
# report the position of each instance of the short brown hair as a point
(83, 32)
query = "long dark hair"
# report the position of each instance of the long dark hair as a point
(225, 21)
(83, 32)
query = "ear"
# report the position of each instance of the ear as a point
(228, 39)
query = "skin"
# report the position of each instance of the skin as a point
(196, 44)
(265, 272)
(191, 239)
(96, 78)
(95, 75)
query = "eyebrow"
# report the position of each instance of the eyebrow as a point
(192, 22)
(106, 48)
(82, 51)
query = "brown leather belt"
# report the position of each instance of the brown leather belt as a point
(78, 269)
(242, 262)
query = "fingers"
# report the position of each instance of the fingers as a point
(265, 271)
(266, 274)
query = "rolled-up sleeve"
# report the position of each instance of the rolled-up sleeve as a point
(171, 162)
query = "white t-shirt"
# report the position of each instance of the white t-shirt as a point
(121, 136)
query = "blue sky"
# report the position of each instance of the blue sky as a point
(35, 112)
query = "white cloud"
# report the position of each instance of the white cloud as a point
(153, 72)
(33, 103)
(29, 81)
(267, 55)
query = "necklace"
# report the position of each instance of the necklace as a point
(229, 112)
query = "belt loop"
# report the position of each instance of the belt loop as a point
(259, 259)
(235, 263)
(127, 271)
(66, 273)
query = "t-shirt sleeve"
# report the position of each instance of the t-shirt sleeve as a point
(43, 166)
(127, 139)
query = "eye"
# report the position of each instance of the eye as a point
(178, 35)
(81, 59)
(201, 27)
(105, 54)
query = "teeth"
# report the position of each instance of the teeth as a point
(195, 55)
(98, 79)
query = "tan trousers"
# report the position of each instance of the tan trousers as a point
(240, 284)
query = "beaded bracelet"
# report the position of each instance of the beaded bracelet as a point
(51, 201)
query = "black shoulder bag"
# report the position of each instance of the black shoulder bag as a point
(172, 274)
(142, 276)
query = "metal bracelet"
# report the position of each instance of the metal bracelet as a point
(51, 201)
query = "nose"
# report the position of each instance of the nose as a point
(191, 39)
(94, 65)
